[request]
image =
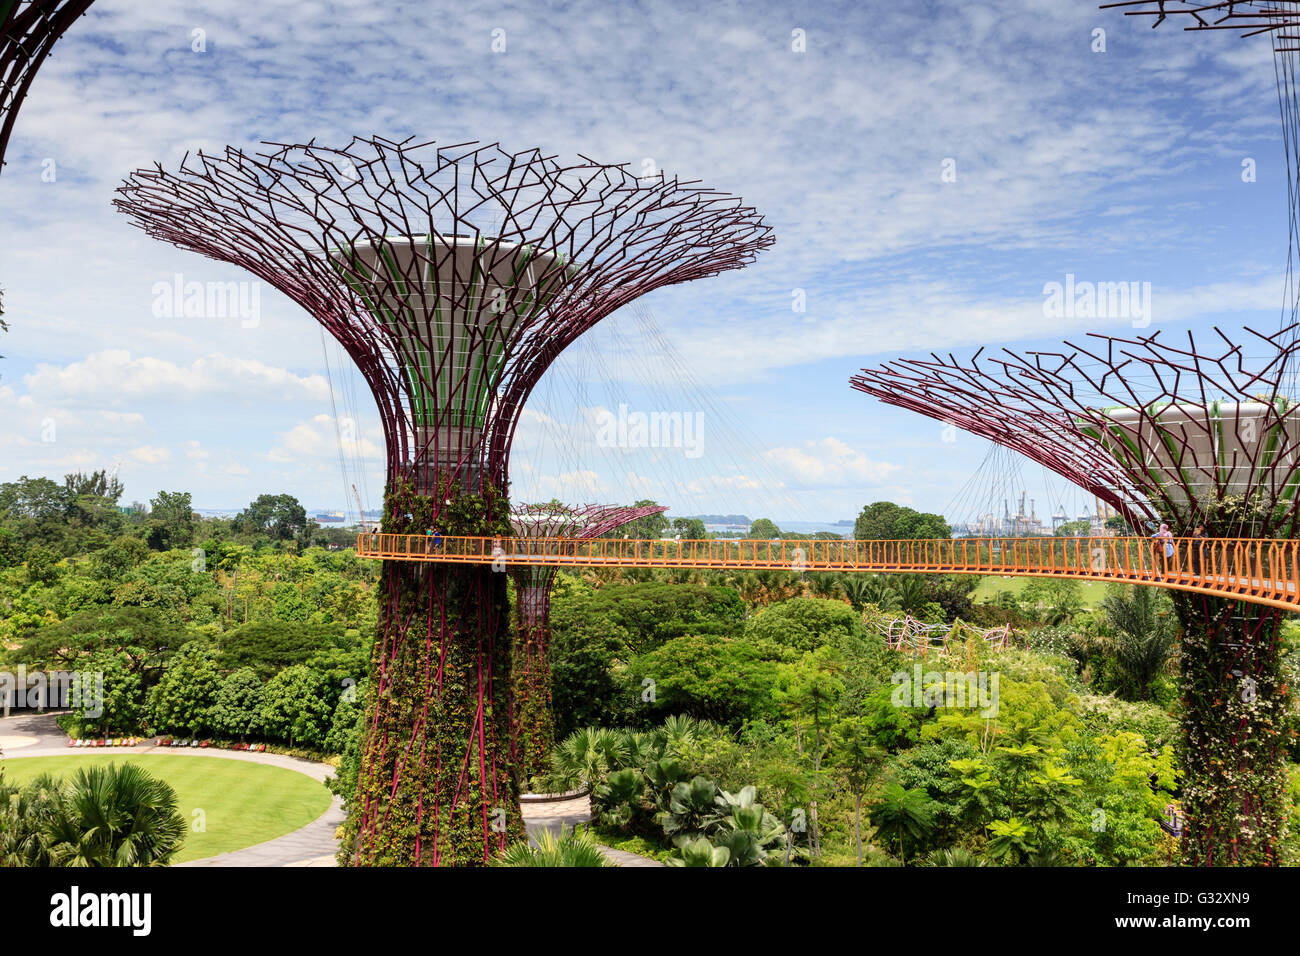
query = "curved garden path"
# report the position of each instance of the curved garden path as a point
(37, 735)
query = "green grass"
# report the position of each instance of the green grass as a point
(243, 803)
(639, 845)
(988, 586)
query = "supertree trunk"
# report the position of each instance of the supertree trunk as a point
(532, 719)
(436, 787)
(1232, 758)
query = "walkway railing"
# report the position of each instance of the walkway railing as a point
(1262, 571)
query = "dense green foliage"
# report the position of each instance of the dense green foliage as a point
(721, 719)
(190, 641)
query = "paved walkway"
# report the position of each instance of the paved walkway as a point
(551, 815)
(37, 735)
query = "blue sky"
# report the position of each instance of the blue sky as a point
(1124, 165)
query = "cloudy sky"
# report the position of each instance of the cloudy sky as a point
(927, 169)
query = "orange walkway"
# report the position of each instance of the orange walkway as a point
(1256, 570)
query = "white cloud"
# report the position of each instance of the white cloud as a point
(829, 462)
(319, 440)
(114, 376)
(150, 455)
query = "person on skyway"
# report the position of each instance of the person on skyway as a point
(1198, 545)
(1167, 537)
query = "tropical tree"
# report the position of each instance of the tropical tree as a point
(1052, 601)
(902, 815)
(25, 814)
(887, 521)
(646, 527)
(296, 706)
(279, 517)
(237, 710)
(711, 678)
(112, 701)
(803, 624)
(172, 521)
(1010, 840)
(809, 690)
(691, 529)
(859, 758)
(1143, 625)
(182, 701)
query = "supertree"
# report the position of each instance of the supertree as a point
(532, 722)
(1189, 436)
(28, 32)
(453, 276)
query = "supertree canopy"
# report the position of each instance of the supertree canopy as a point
(1186, 435)
(1271, 18)
(532, 722)
(453, 276)
(1279, 21)
(28, 31)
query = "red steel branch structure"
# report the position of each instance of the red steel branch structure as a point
(28, 31)
(532, 722)
(1187, 435)
(453, 276)
(1279, 21)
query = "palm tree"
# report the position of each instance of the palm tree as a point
(902, 814)
(24, 821)
(681, 730)
(824, 584)
(913, 592)
(1144, 636)
(585, 756)
(858, 589)
(114, 816)
(878, 589)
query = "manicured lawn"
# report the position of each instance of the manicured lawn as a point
(243, 803)
(1091, 592)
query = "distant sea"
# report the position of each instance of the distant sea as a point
(800, 527)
